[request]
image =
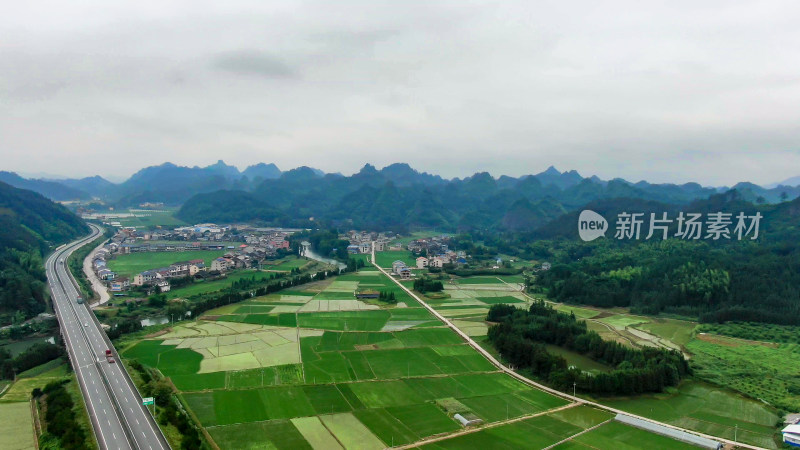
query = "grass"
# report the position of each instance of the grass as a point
(708, 409)
(273, 434)
(133, 263)
(576, 359)
(767, 372)
(350, 432)
(20, 391)
(617, 436)
(16, 426)
(678, 331)
(385, 259)
(315, 433)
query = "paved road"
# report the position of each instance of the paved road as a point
(530, 382)
(114, 405)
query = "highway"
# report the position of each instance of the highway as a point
(119, 419)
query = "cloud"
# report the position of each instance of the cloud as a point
(253, 62)
(676, 91)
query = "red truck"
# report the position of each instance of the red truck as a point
(109, 356)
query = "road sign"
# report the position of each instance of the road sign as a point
(148, 401)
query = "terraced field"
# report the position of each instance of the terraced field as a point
(313, 367)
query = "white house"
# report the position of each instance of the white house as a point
(422, 262)
(791, 435)
(163, 286)
(396, 266)
(365, 247)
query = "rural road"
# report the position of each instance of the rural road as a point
(115, 407)
(97, 285)
(532, 383)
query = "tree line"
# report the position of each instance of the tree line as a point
(520, 335)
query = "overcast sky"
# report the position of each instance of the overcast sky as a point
(668, 91)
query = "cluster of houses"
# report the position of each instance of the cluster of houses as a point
(431, 246)
(160, 277)
(254, 246)
(362, 241)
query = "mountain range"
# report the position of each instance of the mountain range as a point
(394, 196)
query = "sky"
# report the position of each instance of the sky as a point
(666, 91)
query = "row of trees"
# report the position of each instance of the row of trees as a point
(520, 336)
(62, 430)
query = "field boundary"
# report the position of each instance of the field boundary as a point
(532, 383)
(488, 426)
(578, 434)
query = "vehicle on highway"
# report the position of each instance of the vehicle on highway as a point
(79, 299)
(109, 356)
(86, 324)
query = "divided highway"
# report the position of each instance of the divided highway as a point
(119, 419)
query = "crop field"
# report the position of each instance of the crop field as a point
(762, 370)
(312, 367)
(385, 259)
(735, 363)
(468, 303)
(617, 436)
(133, 263)
(708, 409)
(16, 426)
(537, 432)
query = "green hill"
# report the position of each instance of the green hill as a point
(30, 225)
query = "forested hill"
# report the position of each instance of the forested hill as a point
(715, 281)
(398, 197)
(30, 225)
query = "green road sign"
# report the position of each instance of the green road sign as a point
(148, 401)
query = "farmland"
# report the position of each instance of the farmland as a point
(313, 366)
(16, 426)
(695, 405)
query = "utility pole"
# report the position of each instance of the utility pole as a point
(735, 429)
(573, 388)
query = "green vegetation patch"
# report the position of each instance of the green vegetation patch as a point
(708, 409)
(385, 259)
(380, 394)
(133, 263)
(344, 320)
(16, 426)
(615, 435)
(278, 434)
(350, 432)
(424, 418)
(386, 426)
